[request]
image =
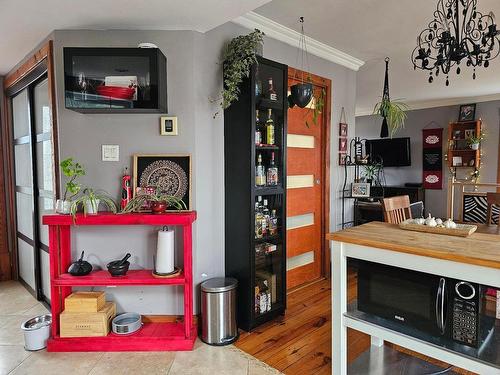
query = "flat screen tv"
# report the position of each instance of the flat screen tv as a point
(393, 152)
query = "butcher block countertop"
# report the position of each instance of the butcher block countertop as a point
(478, 249)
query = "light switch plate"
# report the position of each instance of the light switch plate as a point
(168, 125)
(110, 153)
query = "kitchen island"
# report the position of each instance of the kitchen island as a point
(474, 259)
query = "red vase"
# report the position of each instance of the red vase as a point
(158, 207)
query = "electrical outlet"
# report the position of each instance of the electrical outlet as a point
(110, 153)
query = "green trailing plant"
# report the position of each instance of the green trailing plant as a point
(72, 170)
(136, 203)
(475, 139)
(371, 172)
(317, 107)
(239, 56)
(394, 112)
(93, 198)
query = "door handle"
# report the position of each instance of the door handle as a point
(318, 181)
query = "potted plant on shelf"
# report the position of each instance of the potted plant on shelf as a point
(72, 170)
(371, 172)
(238, 58)
(158, 202)
(474, 141)
(89, 202)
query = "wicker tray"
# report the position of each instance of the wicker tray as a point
(462, 230)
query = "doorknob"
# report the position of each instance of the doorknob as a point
(318, 181)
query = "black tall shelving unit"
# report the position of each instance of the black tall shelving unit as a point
(242, 261)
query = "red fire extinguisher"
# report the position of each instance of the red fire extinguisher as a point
(126, 189)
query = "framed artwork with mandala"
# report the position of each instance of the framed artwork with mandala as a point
(169, 173)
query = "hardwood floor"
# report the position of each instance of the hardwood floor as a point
(300, 341)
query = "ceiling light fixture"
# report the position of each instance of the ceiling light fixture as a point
(457, 32)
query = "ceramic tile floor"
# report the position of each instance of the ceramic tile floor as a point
(17, 305)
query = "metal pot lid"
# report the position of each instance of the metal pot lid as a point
(219, 284)
(37, 322)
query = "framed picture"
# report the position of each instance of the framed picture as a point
(360, 190)
(342, 158)
(469, 133)
(467, 112)
(457, 161)
(342, 145)
(169, 173)
(168, 125)
(342, 130)
(457, 134)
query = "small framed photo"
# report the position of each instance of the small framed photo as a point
(342, 130)
(360, 190)
(168, 125)
(457, 161)
(342, 145)
(342, 158)
(467, 112)
(469, 133)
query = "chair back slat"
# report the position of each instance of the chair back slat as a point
(493, 199)
(396, 209)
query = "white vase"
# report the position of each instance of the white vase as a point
(92, 206)
(474, 146)
(63, 207)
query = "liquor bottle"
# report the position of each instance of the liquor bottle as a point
(267, 216)
(264, 293)
(262, 216)
(272, 173)
(270, 128)
(258, 221)
(272, 95)
(258, 131)
(126, 189)
(273, 227)
(260, 172)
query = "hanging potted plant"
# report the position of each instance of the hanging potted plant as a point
(301, 93)
(474, 142)
(393, 113)
(238, 58)
(72, 170)
(90, 200)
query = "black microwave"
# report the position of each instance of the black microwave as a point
(437, 305)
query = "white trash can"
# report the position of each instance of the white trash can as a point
(36, 332)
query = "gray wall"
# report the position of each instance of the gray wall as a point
(194, 76)
(369, 127)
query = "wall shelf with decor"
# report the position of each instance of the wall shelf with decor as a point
(460, 154)
(115, 80)
(256, 256)
(155, 334)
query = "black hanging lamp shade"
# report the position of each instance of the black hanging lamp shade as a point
(301, 93)
(384, 130)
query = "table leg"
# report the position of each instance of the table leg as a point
(188, 274)
(339, 304)
(55, 304)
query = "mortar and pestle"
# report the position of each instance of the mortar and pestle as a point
(119, 267)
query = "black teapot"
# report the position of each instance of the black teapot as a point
(80, 267)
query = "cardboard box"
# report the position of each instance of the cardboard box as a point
(85, 302)
(87, 324)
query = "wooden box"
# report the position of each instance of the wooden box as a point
(85, 302)
(86, 324)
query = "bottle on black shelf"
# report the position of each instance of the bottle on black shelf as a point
(258, 221)
(260, 172)
(272, 95)
(273, 223)
(270, 128)
(272, 173)
(258, 131)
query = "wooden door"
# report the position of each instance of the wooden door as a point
(307, 187)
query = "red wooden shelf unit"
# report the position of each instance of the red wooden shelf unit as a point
(152, 336)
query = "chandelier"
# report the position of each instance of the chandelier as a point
(457, 32)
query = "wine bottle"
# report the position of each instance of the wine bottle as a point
(258, 131)
(272, 173)
(273, 224)
(258, 221)
(272, 95)
(270, 128)
(260, 172)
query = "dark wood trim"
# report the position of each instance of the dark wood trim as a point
(31, 63)
(325, 84)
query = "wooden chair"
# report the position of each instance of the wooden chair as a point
(396, 209)
(493, 199)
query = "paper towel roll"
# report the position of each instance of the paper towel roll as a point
(165, 251)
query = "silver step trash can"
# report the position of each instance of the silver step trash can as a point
(218, 311)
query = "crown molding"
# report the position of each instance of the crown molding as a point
(289, 36)
(423, 104)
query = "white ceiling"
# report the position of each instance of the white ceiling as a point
(372, 29)
(24, 24)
